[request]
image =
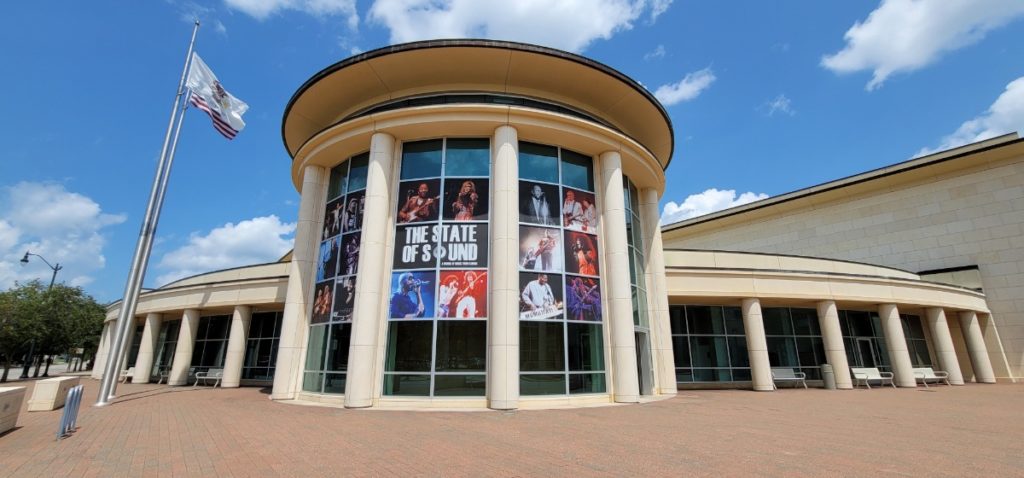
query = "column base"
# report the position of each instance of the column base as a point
(503, 404)
(627, 398)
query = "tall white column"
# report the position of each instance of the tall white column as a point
(301, 276)
(832, 338)
(757, 346)
(942, 342)
(183, 350)
(896, 344)
(144, 361)
(976, 348)
(625, 379)
(101, 351)
(237, 337)
(503, 328)
(367, 315)
(657, 298)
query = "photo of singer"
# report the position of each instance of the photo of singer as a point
(412, 295)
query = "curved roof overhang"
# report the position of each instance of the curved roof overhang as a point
(356, 84)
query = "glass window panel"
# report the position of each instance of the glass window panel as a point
(204, 325)
(336, 185)
(461, 346)
(810, 351)
(586, 347)
(876, 325)
(684, 375)
(844, 324)
(733, 320)
(421, 159)
(541, 347)
(642, 295)
(705, 320)
(681, 351)
(538, 162)
(709, 352)
(677, 319)
(357, 175)
(634, 202)
(914, 329)
(805, 321)
(317, 347)
(711, 375)
(813, 373)
(738, 356)
(407, 385)
(544, 384)
(632, 269)
(213, 355)
(312, 381)
(776, 321)
(468, 157)
(851, 356)
(334, 383)
(882, 352)
(337, 352)
(460, 385)
(782, 352)
(586, 383)
(409, 346)
(741, 374)
(577, 171)
(860, 323)
(627, 198)
(919, 353)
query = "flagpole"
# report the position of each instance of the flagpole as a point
(143, 248)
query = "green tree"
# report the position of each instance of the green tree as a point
(57, 320)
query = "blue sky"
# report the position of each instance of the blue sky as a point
(765, 97)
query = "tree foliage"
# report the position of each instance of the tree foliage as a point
(57, 320)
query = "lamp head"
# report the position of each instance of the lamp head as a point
(24, 260)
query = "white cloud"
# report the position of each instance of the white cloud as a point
(781, 104)
(658, 52)
(64, 227)
(252, 241)
(1006, 115)
(261, 9)
(567, 24)
(686, 89)
(706, 202)
(905, 35)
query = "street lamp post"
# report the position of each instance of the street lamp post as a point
(53, 278)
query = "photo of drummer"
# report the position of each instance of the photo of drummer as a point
(420, 201)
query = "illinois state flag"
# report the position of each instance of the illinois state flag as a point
(208, 95)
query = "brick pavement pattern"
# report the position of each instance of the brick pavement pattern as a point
(155, 430)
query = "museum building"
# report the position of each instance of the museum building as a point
(478, 228)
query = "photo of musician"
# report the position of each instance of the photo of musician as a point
(463, 295)
(465, 199)
(348, 264)
(534, 206)
(332, 218)
(352, 216)
(583, 299)
(344, 299)
(420, 203)
(540, 249)
(581, 254)
(579, 212)
(412, 295)
(326, 267)
(540, 296)
(322, 298)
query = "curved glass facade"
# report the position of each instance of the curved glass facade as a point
(337, 263)
(561, 338)
(438, 297)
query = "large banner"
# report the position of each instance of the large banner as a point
(540, 249)
(583, 299)
(579, 212)
(581, 254)
(449, 244)
(419, 201)
(412, 295)
(465, 199)
(344, 299)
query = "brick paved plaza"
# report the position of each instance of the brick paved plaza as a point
(162, 431)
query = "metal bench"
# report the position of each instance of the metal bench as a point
(867, 375)
(780, 374)
(127, 374)
(926, 374)
(215, 374)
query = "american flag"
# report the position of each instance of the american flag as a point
(219, 124)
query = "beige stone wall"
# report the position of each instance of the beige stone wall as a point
(969, 215)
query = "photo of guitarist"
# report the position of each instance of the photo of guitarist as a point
(584, 299)
(419, 206)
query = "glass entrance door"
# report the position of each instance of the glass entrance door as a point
(866, 353)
